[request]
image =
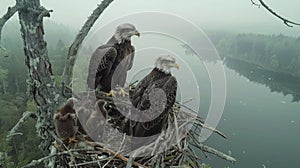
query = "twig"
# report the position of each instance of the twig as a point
(14, 130)
(44, 13)
(119, 150)
(119, 156)
(213, 130)
(91, 162)
(72, 53)
(187, 101)
(187, 107)
(129, 162)
(133, 83)
(255, 4)
(211, 150)
(285, 20)
(177, 131)
(202, 124)
(35, 162)
(60, 141)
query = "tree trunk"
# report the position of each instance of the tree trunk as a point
(41, 82)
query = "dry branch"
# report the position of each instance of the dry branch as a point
(14, 130)
(10, 12)
(72, 53)
(286, 21)
(211, 150)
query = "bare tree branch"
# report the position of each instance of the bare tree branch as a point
(72, 53)
(211, 150)
(256, 4)
(285, 20)
(22, 120)
(10, 12)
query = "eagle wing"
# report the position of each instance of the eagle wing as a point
(137, 92)
(101, 63)
(169, 86)
(131, 58)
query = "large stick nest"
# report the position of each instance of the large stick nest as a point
(102, 144)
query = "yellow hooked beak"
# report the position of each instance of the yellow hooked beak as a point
(176, 66)
(137, 33)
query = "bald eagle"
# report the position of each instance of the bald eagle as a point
(160, 77)
(117, 52)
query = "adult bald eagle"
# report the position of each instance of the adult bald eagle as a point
(118, 52)
(159, 78)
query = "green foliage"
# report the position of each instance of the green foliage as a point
(5, 160)
(30, 106)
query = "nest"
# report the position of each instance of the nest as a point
(177, 145)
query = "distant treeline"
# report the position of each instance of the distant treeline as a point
(277, 53)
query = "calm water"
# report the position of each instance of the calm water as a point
(262, 126)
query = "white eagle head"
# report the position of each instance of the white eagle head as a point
(125, 31)
(165, 63)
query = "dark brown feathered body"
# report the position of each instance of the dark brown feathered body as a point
(140, 100)
(96, 121)
(104, 63)
(65, 121)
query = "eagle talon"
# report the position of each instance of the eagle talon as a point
(111, 93)
(123, 92)
(72, 140)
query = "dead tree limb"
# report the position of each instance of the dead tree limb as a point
(286, 21)
(72, 53)
(10, 12)
(22, 120)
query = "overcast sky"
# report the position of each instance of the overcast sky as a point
(232, 16)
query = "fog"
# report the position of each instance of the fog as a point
(238, 16)
(261, 114)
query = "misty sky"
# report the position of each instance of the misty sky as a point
(228, 16)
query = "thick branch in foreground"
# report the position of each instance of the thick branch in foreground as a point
(285, 20)
(72, 53)
(10, 12)
(41, 85)
(22, 120)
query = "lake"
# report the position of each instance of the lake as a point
(262, 126)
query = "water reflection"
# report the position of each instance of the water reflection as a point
(277, 82)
